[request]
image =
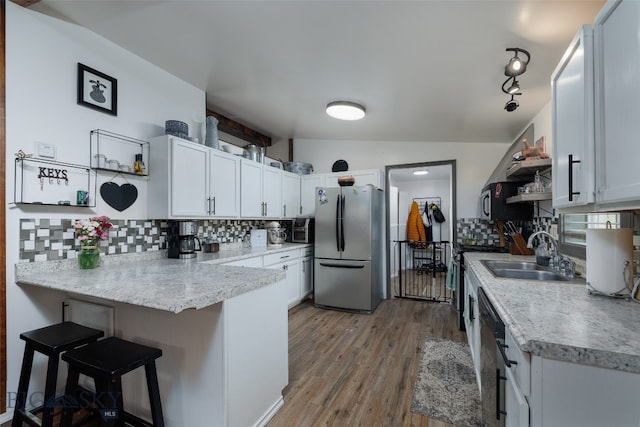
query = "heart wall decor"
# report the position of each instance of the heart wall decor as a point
(119, 197)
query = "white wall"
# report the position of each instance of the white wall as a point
(41, 88)
(431, 188)
(474, 161)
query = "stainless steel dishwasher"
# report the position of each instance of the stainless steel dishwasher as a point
(492, 364)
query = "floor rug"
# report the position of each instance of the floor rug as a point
(446, 387)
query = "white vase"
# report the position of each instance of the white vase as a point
(211, 136)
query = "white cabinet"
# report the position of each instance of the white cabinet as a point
(471, 318)
(192, 181)
(308, 184)
(288, 261)
(573, 128)
(261, 192)
(306, 272)
(572, 394)
(617, 75)
(224, 185)
(517, 387)
(290, 195)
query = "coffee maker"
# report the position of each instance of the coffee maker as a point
(181, 240)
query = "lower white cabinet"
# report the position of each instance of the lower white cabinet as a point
(472, 318)
(518, 383)
(288, 261)
(306, 272)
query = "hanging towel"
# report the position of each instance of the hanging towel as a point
(452, 275)
(415, 227)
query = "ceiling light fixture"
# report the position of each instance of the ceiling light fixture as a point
(345, 110)
(516, 65)
(422, 172)
(515, 87)
(512, 104)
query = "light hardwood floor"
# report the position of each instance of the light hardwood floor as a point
(359, 370)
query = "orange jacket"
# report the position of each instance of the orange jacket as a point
(415, 227)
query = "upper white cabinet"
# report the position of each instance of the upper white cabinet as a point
(290, 195)
(224, 185)
(572, 111)
(308, 184)
(617, 73)
(190, 180)
(261, 190)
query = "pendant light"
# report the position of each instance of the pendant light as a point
(345, 110)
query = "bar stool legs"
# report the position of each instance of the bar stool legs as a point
(51, 341)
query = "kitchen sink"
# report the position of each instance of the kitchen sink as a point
(512, 265)
(523, 270)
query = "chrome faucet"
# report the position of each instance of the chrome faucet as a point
(553, 240)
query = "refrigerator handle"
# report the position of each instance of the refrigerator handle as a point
(338, 223)
(342, 207)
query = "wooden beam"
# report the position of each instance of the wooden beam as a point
(239, 130)
(25, 3)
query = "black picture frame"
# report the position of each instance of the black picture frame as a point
(97, 90)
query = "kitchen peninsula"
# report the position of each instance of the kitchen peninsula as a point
(222, 329)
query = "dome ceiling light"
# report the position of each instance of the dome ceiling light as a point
(345, 110)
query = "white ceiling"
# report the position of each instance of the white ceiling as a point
(425, 70)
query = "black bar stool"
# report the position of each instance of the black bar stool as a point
(106, 361)
(50, 341)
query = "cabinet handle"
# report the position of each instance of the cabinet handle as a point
(506, 359)
(214, 206)
(285, 256)
(571, 192)
(471, 302)
(300, 209)
(208, 205)
(499, 411)
(285, 210)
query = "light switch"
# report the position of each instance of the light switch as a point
(44, 150)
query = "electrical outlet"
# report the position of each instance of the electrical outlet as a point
(45, 150)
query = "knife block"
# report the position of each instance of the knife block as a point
(518, 246)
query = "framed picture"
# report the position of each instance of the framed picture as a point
(97, 90)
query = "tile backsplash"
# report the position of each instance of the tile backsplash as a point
(54, 239)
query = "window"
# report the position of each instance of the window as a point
(572, 230)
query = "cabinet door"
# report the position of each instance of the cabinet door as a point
(308, 184)
(306, 277)
(224, 183)
(251, 189)
(291, 268)
(361, 177)
(617, 102)
(272, 192)
(189, 184)
(573, 131)
(472, 319)
(290, 195)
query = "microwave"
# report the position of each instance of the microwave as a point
(302, 230)
(494, 206)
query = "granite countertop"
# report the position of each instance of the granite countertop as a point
(152, 280)
(562, 321)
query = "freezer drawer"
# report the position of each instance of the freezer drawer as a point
(346, 285)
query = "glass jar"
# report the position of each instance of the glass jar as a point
(88, 257)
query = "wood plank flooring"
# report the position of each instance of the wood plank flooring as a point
(359, 370)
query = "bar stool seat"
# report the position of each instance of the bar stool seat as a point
(50, 341)
(106, 361)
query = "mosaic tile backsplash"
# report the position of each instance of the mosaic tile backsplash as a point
(54, 239)
(478, 231)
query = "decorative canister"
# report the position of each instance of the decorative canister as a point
(211, 137)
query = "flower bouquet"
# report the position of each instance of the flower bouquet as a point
(90, 232)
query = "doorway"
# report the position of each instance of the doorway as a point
(428, 184)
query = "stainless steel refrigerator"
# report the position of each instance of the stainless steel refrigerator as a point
(348, 248)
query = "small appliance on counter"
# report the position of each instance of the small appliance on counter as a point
(181, 240)
(277, 235)
(302, 230)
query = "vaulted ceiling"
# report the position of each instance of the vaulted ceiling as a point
(425, 70)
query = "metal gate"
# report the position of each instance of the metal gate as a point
(422, 270)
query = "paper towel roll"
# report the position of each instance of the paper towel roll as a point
(609, 259)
